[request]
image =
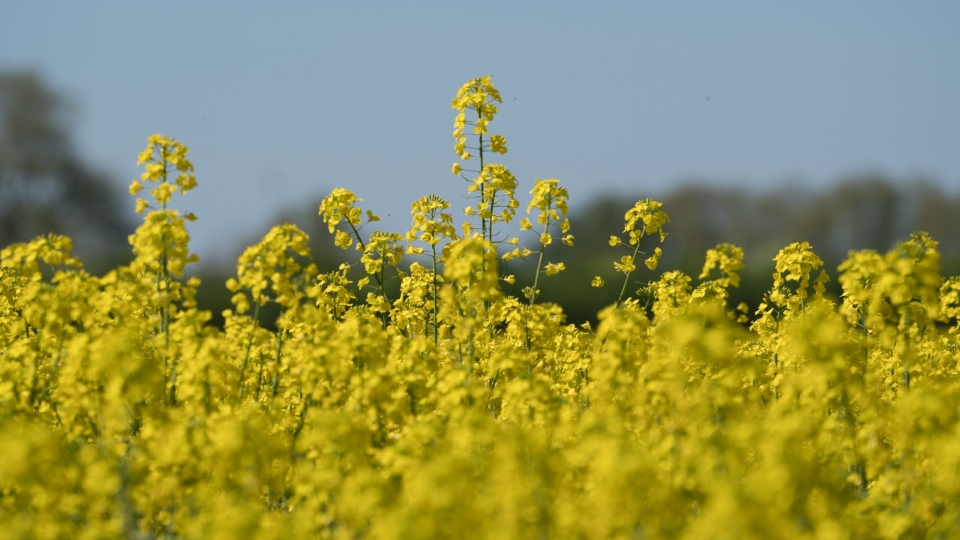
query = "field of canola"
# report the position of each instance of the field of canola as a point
(455, 410)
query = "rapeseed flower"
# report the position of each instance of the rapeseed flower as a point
(457, 409)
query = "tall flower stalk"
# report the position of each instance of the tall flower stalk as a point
(644, 218)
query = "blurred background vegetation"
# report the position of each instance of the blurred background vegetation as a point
(45, 187)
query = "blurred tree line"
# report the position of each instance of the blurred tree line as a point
(45, 187)
(859, 212)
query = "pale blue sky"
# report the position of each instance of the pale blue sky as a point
(282, 101)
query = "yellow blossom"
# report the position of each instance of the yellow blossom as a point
(652, 261)
(552, 269)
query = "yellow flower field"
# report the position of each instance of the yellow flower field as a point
(454, 410)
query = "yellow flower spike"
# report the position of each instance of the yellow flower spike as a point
(340, 206)
(550, 199)
(477, 97)
(494, 184)
(430, 222)
(161, 156)
(795, 263)
(728, 258)
(647, 212)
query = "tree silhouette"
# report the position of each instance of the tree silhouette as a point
(44, 186)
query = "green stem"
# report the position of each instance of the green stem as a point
(164, 279)
(376, 275)
(633, 262)
(259, 379)
(246, 357)
(363, 247)
(165, 321)
(279, 343)
(863, 341)
(483, 220)
(436, 323)
(536, 277)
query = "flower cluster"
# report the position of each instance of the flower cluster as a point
(549, 198)
(430, 223)
(644, 218)
(497, 187)
(160, 159)
(477, 95)
(494, 184)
